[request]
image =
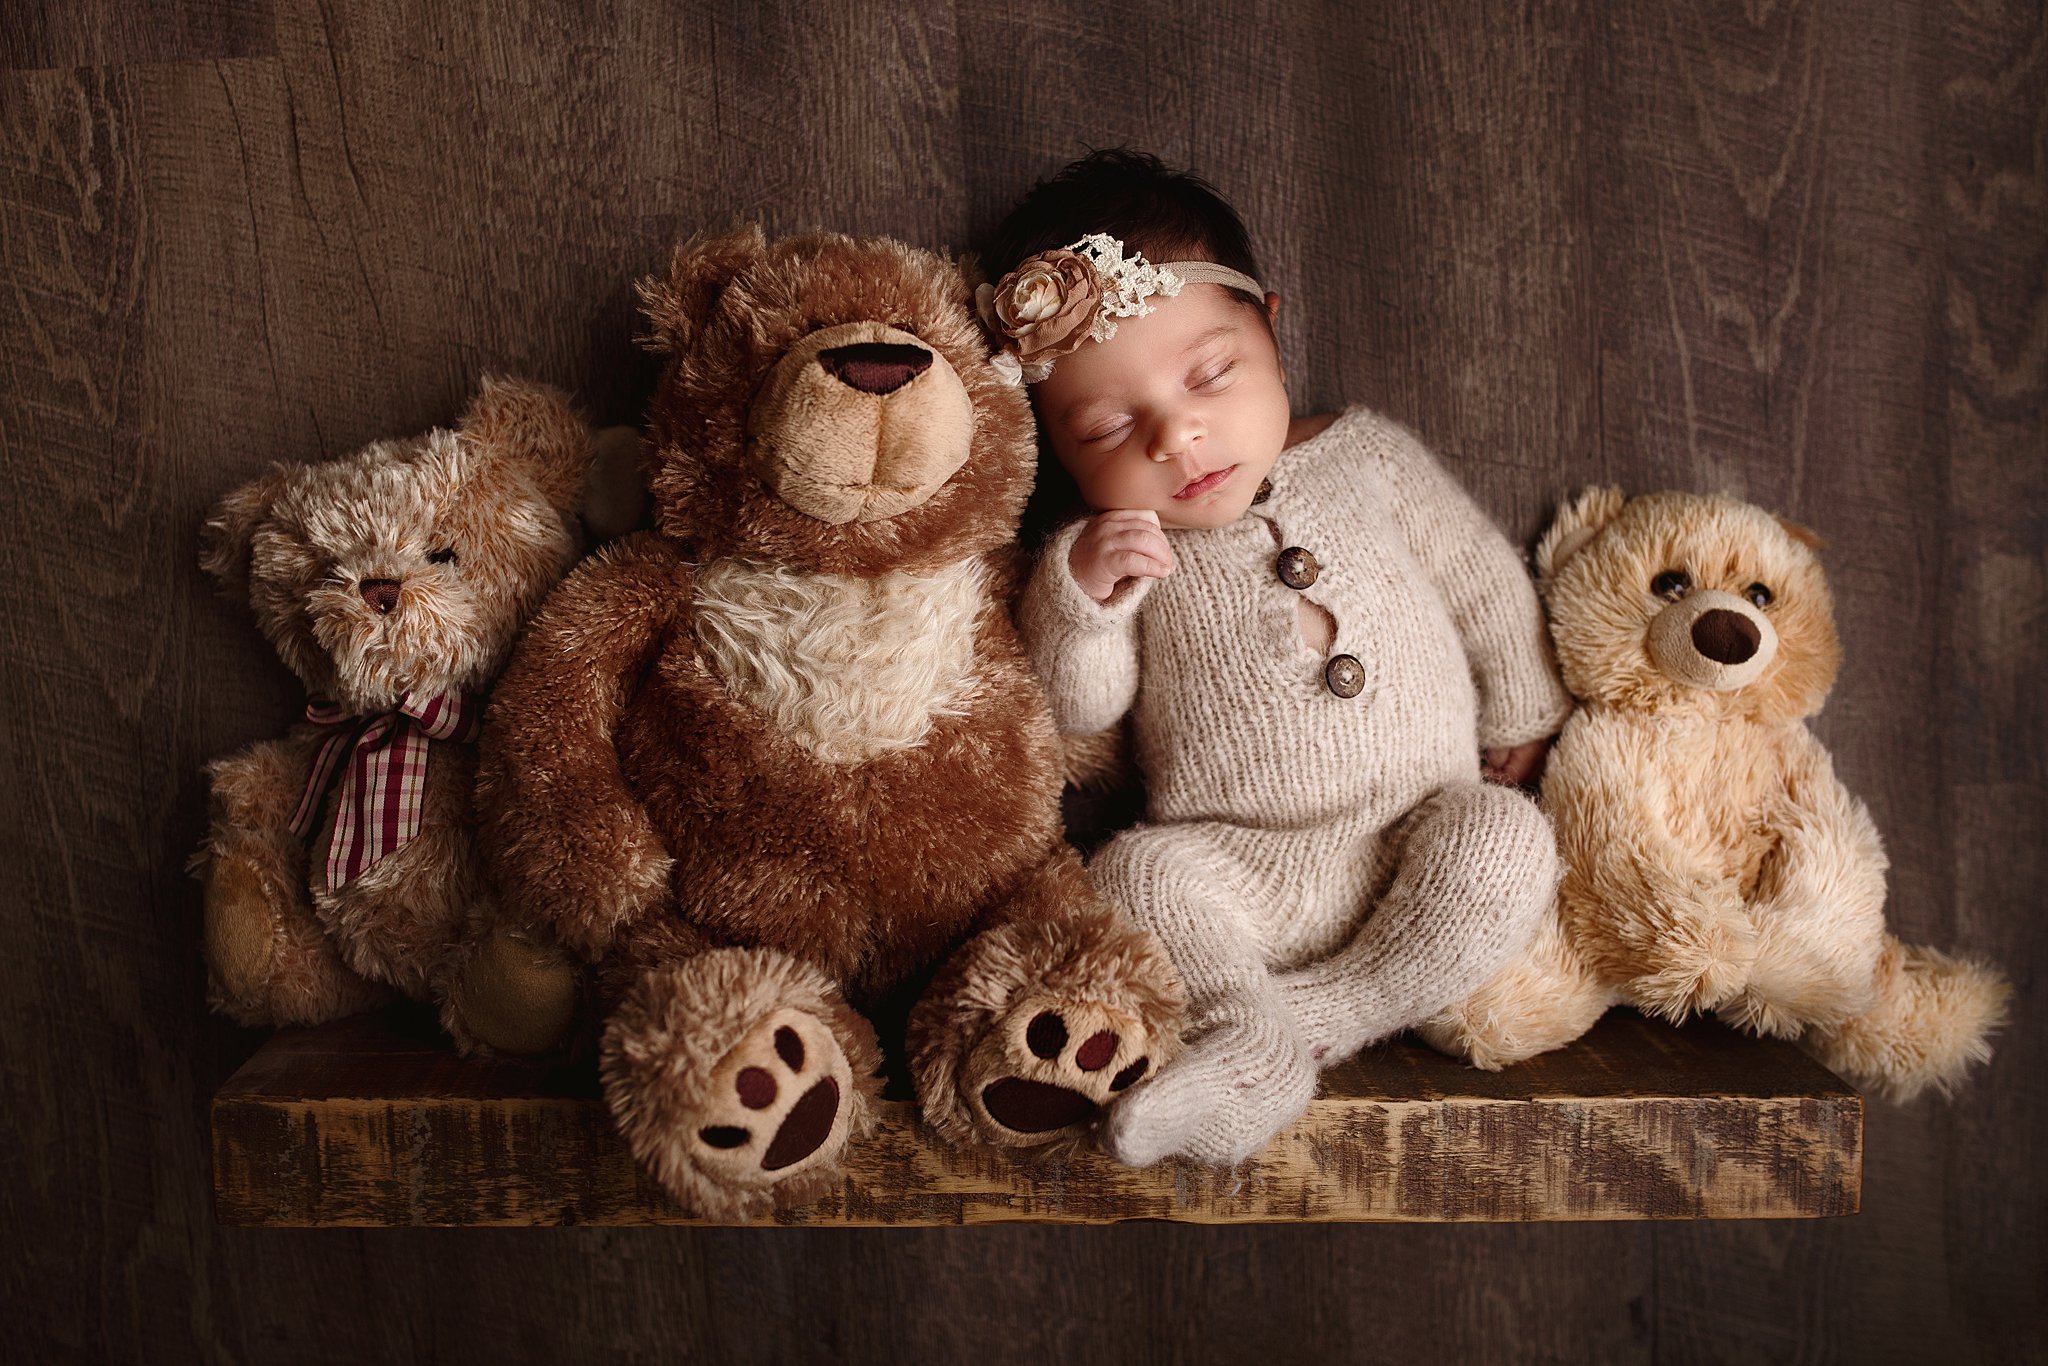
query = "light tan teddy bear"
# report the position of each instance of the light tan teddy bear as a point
(339, 863)
(1713, 859)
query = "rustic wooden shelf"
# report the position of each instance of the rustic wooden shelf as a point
(374, 1121)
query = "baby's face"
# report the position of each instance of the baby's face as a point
(1182, 412)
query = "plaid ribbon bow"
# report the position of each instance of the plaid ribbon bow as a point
(381, 762)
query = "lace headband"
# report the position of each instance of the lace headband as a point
(1054, 301)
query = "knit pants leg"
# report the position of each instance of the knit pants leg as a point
(1475, 872)
(1245, 1074)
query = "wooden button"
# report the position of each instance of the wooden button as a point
(1345, 676)
(1298, 568)
(1265, 491)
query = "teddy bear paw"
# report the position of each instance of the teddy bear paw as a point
(1050, 1066)
(776, 1107)
(776, 1112)
(1695, 966)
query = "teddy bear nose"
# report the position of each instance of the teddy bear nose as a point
(381, 594)
(1725, 637)
(875, 367)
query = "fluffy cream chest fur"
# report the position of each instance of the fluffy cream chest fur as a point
(848, 668)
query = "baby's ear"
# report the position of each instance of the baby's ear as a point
(536, 426)
(697, 274)
(1578, 521)
(224, 540)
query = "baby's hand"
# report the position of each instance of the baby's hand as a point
(1115, 546)
(1516, 767)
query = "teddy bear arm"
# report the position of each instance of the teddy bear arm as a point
(1644, 911)
(1818, 903)
(1670, 935)
(571, 848)
(269, 960)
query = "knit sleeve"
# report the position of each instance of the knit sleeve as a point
(1487, 587)
(1085, 652)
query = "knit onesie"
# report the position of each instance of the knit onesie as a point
(1325, 869)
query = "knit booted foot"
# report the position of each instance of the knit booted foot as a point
(738, 1078)
(1933, 1020)
(1223, 1100)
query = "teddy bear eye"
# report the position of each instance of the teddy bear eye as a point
(1758, 594)
(443, 556)
(904, 327)
(1672, 583)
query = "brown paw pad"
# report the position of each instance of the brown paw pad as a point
(808, 1123)
(776, 1098)
(1034, 1107)
(1054, 1064)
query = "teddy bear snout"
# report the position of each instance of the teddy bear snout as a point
(381, 594)
(875, 367)
(1711, 639)
(1725, 637)
(859, 422)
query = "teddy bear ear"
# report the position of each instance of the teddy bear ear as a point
(536, 425)
(698, 273)
(225, 539)
(1805, 535)
(1578, 521)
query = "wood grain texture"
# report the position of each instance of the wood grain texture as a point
(72, 33)
(374, 1121)
(1798, 250)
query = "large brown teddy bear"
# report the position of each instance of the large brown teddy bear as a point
(1713, 860)
(339, 864)
(782, 756)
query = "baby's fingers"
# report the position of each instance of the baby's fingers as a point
(1145, 542)
(1136, 564)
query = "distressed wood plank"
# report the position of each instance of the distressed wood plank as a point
(370, 1121)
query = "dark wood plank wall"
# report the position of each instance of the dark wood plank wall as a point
(1797, 250)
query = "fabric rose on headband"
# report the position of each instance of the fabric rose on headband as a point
(1054, 301)
(1040, 311)
(1047, 305)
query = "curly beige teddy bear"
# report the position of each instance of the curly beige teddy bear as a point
(339, 864)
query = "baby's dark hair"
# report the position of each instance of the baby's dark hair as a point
(1166, 215)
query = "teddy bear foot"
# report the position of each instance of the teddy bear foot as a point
(776, 1100)
(1933, 1021)
(1031, 1031)
(511, 994)
(269, 963)
(1049, 1067)
(735, 1131)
